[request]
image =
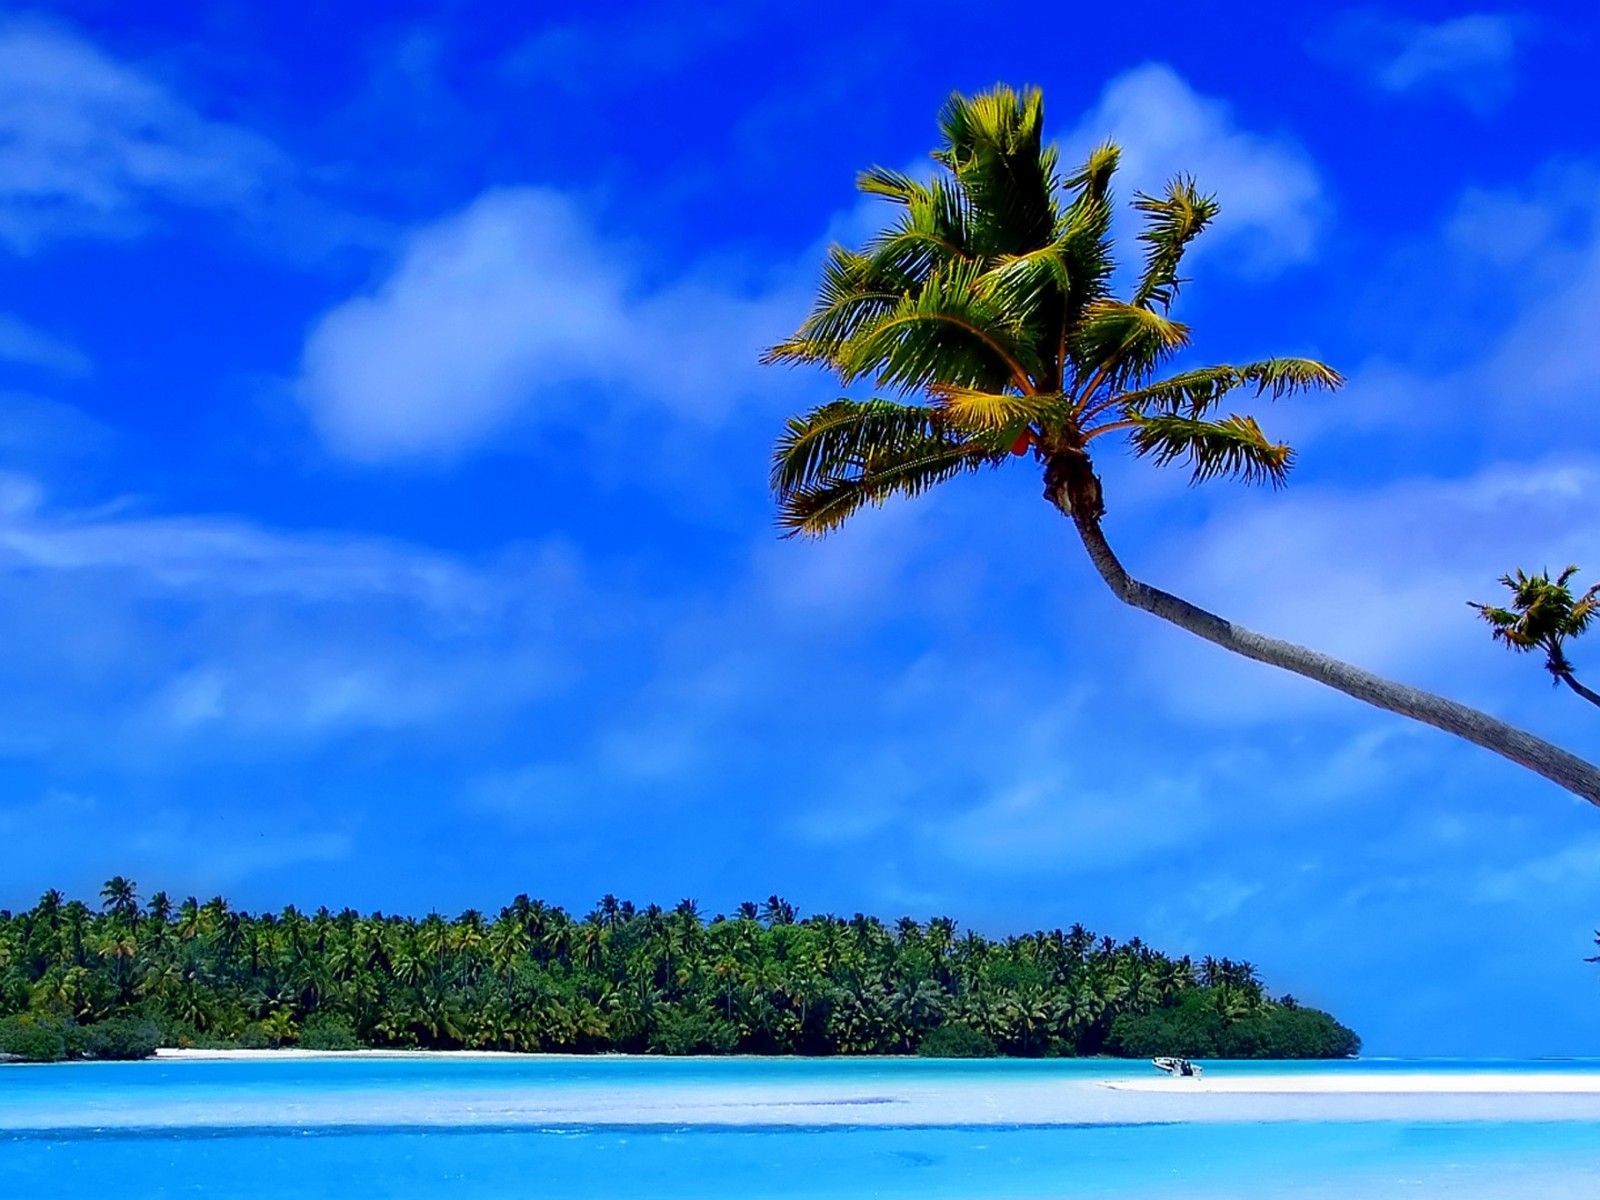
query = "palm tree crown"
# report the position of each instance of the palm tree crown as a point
(1543, 615)
(989, 298)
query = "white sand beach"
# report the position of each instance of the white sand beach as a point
(289, 1053)
(889, 1096)
(1409, 1083)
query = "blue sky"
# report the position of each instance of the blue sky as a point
(383, 518)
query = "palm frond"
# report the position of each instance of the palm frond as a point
(1084, 233)
(1092, 180)
(947, 332)
(974, 412)
(851, 294)
(1194, 393)
(931, 233)
(1171, 223)
(1506, 626)
(821, 506)
(1027, 283)
(1285, 376)
(1233, 447)
(1584, 610)
(840, 438)
(994, 147)
(987, 295)
(1122, 344)
(891, 184)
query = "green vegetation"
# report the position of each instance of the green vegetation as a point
(34, 1037)
(1543, 615)
(77, 982)
(1202, 1027)
(987, 302)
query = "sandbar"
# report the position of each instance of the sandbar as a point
(831, 1094)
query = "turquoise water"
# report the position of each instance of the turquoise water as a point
(319, 1128)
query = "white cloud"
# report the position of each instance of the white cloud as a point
(625, 51)
(1545, 242)
(23, 343)
(1471, 58)
(225, 556)
(87, 144)
(1219, 898)
(1571, 870)
(1045, 819)
(139, 632)
(35, 431)
(1272, 199)
(517, 308)
(1483, 326)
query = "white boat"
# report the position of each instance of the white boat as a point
(1178, 1066)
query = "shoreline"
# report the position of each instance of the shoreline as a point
(1352, 1081)
(888, 1092)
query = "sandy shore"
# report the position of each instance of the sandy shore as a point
(1386, 1083)
(1348, 1082)
(592, 1092)
(288, 1054)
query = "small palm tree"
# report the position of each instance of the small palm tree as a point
(987, 303)
(1543, 615)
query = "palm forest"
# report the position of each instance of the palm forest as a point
(119, 979)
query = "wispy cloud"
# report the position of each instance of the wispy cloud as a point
(1570, 869)
(519, 309)
(22, 343)
(87, 143)
(1273, 201)
(615, 53)
(1541, 245)
(139, 632)
(1471, 58)
(92, 146)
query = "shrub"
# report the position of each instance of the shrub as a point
(693, 1033)
(956, 1041)
(254, 1037)
(1289, 1033)
(328, 1031)
(1194, 1029)
(33, 1040)
(124, 1038)
(1181, 1032)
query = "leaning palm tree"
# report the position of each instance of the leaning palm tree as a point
(1543, 615)
(987, 307)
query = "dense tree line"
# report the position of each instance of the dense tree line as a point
(647, 980)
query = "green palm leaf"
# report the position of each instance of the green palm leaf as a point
(1543, 615)
(947, 332)
(837, 439)
(994, 148)
(974, 412)
(851, 294)
(824, 504)
(1234, 447)
(1194, 393)
(1120, 344)
(1171, 223)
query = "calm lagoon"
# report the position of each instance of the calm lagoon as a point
(496, 1128)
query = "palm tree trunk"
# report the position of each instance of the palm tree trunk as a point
(1071, 485)
(1572, 682)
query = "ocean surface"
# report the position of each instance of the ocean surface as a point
(525, 1127)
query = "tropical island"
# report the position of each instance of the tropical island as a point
(121, 980)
